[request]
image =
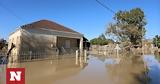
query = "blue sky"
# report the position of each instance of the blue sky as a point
(85, 16)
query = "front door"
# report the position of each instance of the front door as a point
(67, 44)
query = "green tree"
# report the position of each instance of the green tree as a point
(3, 43)
(101, 40)
(156, 41)
(128, 26)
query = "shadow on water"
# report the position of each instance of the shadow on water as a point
(141, 78)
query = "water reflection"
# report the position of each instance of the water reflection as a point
(104, 70)
(2, 74)
(157, 56)
(125, 70)
(49, 71)
(128, 69)
(154, 68)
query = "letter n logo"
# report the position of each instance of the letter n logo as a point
(15, 76)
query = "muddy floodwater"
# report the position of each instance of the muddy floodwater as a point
(97, 70)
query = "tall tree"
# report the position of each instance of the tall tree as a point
(156, 41)
(128, 26)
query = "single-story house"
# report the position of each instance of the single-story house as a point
(45, 37)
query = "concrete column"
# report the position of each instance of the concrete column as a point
(77, 57)
(55, 40)
(56, 44)
(85, 56)
(117, 53)
(81, 46)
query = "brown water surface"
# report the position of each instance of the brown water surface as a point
(97, 70)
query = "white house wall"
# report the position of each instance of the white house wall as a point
(15, 39)
(38, 40)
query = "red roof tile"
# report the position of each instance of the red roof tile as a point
(48, 24)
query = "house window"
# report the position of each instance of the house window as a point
(67, 44)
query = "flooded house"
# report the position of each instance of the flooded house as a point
(44, 39)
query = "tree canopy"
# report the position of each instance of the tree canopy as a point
(3, 43)
(101, 40)
(128, 26)
(156, 41)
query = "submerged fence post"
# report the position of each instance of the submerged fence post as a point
(30, 54)
(85, 56)
(77, 54)
(117, 50)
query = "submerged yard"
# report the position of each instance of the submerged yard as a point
(97, 70)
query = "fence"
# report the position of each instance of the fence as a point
(34, 56)
(110, 50)
(3, 54)
(41, 54)
(103, 50)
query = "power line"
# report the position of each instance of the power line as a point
(105, 6)
(11, 12)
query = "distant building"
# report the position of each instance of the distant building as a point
(45, 36)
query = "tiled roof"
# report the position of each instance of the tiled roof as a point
(48, 24)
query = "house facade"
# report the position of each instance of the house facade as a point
(44, 37)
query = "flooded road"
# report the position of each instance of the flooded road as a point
(97, 70)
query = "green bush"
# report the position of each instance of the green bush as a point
(156, 41)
